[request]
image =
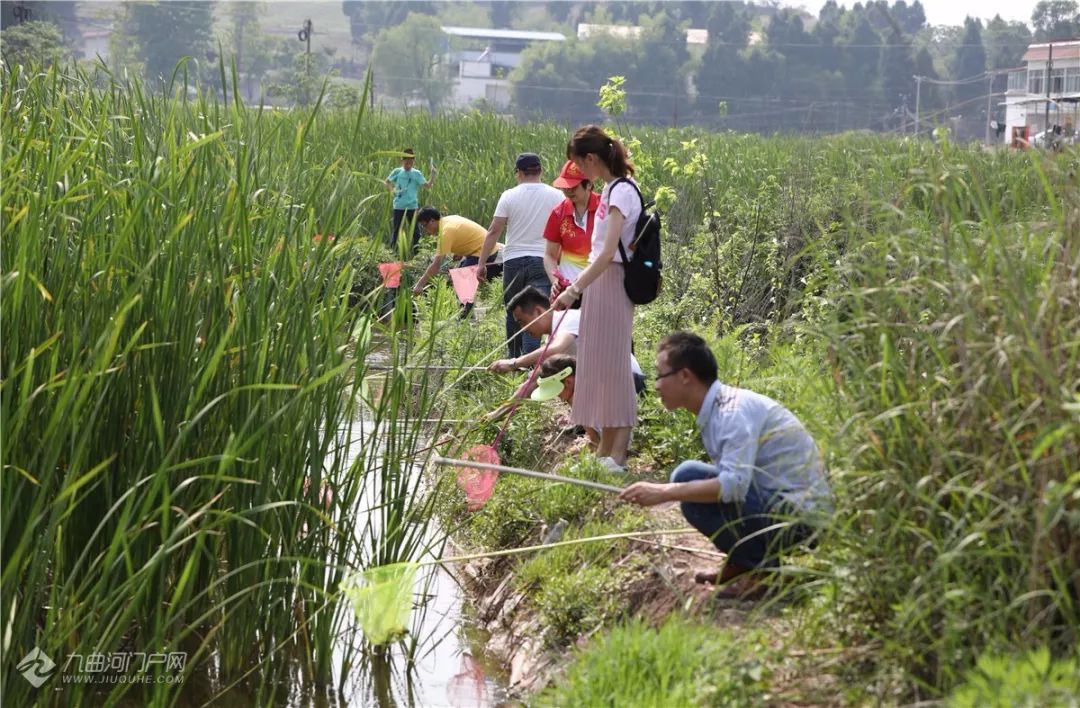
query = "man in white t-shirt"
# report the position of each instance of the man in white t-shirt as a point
(529, 308)
(523, 212)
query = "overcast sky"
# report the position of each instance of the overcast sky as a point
(952, 12)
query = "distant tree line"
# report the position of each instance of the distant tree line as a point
(762, 68)
(846, 68)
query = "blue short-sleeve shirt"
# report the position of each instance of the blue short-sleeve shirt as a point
(406, 185)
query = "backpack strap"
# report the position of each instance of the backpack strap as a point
(644, 206)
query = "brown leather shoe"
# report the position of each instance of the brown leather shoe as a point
(730, 571)
(747, 588)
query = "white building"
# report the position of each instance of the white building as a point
(95, 43)
(585, 30)
(481, 73)
(1031, 102)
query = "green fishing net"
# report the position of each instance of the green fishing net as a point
(382, 598)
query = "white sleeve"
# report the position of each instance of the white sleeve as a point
(625, 199)
(503, 207)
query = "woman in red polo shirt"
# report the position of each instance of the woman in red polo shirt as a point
(570, 226)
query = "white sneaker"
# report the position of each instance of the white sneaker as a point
(612, 466)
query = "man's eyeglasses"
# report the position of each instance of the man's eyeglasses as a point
(669, 373)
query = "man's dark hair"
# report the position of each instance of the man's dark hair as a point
(528, 298)
(686, 350)
(427, 214)
(407, 153)
(556, 363)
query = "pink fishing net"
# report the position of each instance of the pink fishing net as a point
(478, 484)
(465, 283)
(391, 274)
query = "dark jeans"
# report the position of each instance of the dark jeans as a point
(494, 270)
(753, 533)
(408, 218)
(518, 274)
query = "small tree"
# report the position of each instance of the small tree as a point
(409, 58)
(160, 34)
(301, 80)
(32, 43)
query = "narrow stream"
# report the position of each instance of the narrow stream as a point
(449, 667)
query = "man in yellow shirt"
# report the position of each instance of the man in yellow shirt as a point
(458, 237)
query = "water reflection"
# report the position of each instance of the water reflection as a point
(440, 662)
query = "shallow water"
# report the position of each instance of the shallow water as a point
(448, 667)
(441, 661)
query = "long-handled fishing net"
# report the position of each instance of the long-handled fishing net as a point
(382, 595)
(478, 481)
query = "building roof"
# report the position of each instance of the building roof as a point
(485, 33)
(1062, 50)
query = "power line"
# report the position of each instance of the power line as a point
(632, 92)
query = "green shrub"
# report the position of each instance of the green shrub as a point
(573, 604)
(562, 561)
(683, 663)
(1033, 680)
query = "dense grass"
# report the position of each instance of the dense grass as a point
(183, 385)
(954, 349)
(682, 663)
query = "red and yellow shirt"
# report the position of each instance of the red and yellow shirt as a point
(561, 228)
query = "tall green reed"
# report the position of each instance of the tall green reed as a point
(955, 352)
(182, 384)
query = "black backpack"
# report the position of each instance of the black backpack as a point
(641, 270)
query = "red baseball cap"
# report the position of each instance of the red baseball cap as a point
(569, 177)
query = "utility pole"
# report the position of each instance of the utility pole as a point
(304, 35)
(1049, 68)
(918, 96)
(21, 14)
(989, 96)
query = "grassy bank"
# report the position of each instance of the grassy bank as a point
(926, 333)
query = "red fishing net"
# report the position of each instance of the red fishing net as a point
(478, 484)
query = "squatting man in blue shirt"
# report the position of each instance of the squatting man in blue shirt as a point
(764, 490)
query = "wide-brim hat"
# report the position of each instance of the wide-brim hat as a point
(549, 387)
(569, 177)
